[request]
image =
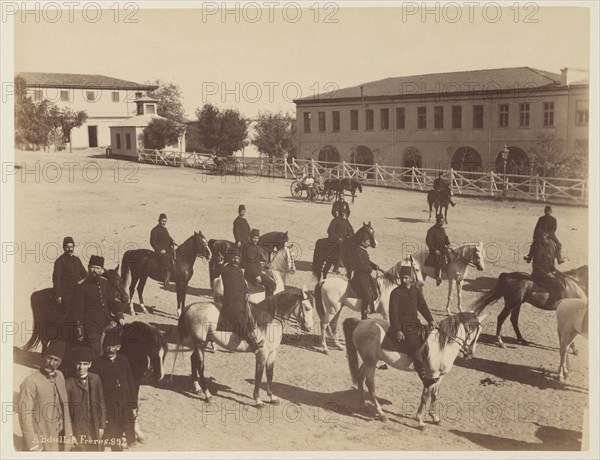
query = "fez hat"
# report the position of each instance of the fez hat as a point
(439, 219)
(548, 208)
(241, 207)
(231, 253)
(81, 354)
(162, 216)
(97, 260)
(112, 336)
(255, 232)
(67, 240)
(405, 270)
(56, 348)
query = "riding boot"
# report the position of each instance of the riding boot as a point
(419, 368)
(167, 278)
(363, 314)
(253, 341)
(452, 203)
(438, 276)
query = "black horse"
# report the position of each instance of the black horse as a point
(220, 248)
(273, 241)
(50, 324)
(326, 252)
(142, 263)
(339, 185)
(440, 200)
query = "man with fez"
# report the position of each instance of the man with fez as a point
(68, 271)
(162, 243)
(94, 306)
(43, 411)
(86, 402)
(252, 264)
(119, 392)
(241, 228)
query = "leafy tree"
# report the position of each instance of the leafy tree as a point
(169, 100)
(223, 132)
(161, 132)
(545, 155)
(68, 119)
(275, 135)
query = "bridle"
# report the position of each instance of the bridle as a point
(466, 344)
(467, 260)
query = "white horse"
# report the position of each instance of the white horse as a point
(331, 294)
(456, 270)
(280, 266)
(571, 320)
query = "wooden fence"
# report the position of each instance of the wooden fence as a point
(490, 184)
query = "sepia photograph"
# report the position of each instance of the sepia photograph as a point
(324, 229)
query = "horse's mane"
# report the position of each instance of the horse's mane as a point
(281, 304)
(448, 327)
(394, 272)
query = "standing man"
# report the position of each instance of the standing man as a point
(68, 271)
(235, 295)
(438, 243)
(548, 224)
(119, 392)
(406, 302)
(251, 259)
(162, 243)
(86, 403)
(361, 281)
(94, 306)
(43, 411)
(241, 228)
(341, 207)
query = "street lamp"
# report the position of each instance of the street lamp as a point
(504, 153)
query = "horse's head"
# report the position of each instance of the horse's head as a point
(417, 274)
(357, 185)
(304, 314)
(201, 246)
(462, 329)
(367, 231)
(283, 260)
(116, 286)
(476, 256)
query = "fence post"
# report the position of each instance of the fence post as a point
(343, 168)
(452, 179)
(412, 177)
(491, 183)
(285, 166)
(537, 187)
(376, 174)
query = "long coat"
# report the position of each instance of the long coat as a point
(405, 305)
(241, 230)
(251, 261)
(68, 271)
(436, 239)
(43, 409)
(160, 239)
(86, 408)
(234, 298)
(546, 223)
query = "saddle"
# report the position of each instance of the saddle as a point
(391, 343)
(376, 290)
(223, 324)
(430, 260)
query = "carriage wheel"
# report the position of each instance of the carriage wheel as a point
(329, 195)
(296, 189)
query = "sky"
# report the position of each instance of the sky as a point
(255, 62)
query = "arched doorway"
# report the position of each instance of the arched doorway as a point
(411, 158)
(329, 154)
(363, 157)
(466, 159)
(517, 163)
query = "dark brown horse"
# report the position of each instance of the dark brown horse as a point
(440, 201)
(49, 324)
(141, 264)
(518, 287)
(273, 242)
(339, 185)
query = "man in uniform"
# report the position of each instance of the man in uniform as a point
(252, 264)
(406, 302)
(544, 272)
(162, 243)
(361, 281)
(94, 306)
(438, 243)
(341, 207)
(548, 224)
(235, 295)
(68, 271)
(241, 228)
(339, 230)
(440, 185)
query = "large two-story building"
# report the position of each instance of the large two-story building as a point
(459, 119)
(108, 101)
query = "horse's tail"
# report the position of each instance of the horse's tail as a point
(351, 352)
(317, 262)
(36, 335)
(319, 300)
(126, 268)
(491, 296)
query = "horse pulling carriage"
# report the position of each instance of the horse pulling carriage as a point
(314, 190)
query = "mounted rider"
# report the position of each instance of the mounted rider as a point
(339, 231)
(163, 246)
(406, 302)
(241, 228)
(235, 309)
(544, 272)
(254, 271)
(68, 271)
(548, 224)
(340, 207)
(440, 185)
(438, 244)
(362, 282)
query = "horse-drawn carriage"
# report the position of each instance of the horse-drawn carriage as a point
(225, 165)
(314, 189)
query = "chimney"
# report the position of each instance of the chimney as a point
(563, 76)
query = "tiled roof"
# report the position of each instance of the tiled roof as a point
(491, 80)
(74, 80)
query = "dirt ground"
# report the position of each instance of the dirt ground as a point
(502, 399)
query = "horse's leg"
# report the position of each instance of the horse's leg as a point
(425, 397)
(370, 380)
(334, 329)
(514, 319)
(501, 318)
(446, 213)
(361, 382)
(140, 290)
(459, 283)
(324, 326)
(565, 340)
(270, 369)
(134, 281)
(450, 285)
(572, 349)
(259, 368)
(435, 392)
(197, 359)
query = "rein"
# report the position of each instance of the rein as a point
(462, 258)
(293, 321)
(466, 346)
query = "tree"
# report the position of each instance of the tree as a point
(545, 155)
(161, 132)
(68, 119)
(223, 132)
(275, 135)
(169, 101)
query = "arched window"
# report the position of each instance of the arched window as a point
(329, 154)
(411, 158)
(466, 159)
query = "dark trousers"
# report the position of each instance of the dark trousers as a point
(120, 421)
(363, 287)
(438, 262)
(550, 237)
(269, 284)
(164, 264)
(549, 282)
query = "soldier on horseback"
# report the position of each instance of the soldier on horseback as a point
(362, 282)
(548, 224)
(438, 244)
(340, 207)
(406, 302)
(253, 268)
(163, 244)
(339, 231)
(544, 272)
(441, 186)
